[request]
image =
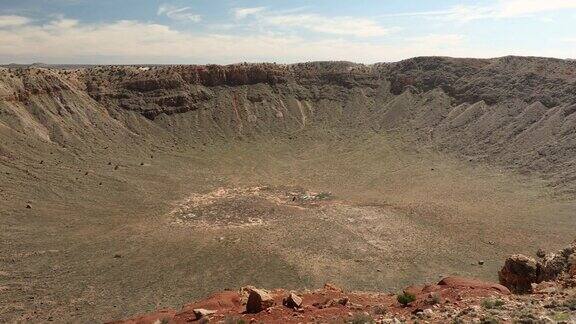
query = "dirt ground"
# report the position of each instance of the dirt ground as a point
(126, 232)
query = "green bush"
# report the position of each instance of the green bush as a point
(405, 298)
(562, 317)
(323, 195)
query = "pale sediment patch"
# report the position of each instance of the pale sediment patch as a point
(244, 206)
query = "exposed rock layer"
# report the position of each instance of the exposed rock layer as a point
(513, 111)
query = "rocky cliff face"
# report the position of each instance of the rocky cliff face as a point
(513, 111)
(529, 79)
(548, 81)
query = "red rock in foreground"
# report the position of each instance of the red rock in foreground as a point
(323, 304)
(548, 290)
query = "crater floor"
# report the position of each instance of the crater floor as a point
(363, 210)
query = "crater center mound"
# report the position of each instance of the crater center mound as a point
(244, 206)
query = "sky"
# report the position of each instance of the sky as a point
(282, 31)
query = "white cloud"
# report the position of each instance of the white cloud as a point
(135, 42)
(70, 41)
(501, 9)
(241, 13)
(516, 8)
(345, 26)
(11, 21)
(178, 13)
(464, 13)
(350, 26)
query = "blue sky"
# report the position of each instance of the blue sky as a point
(229, 31)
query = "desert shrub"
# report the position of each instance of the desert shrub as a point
(562, 317)
(405, 298)
(435, 299)
(571, 304)
(323, 195)
(379, 310)
(492, 303)
(525, 316)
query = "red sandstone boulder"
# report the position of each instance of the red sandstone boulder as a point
(258, 300)
(458, 282)
(292, 301)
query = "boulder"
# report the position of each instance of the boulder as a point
(244, 293)
(555, 265)
(203, 313)
(258, 300)
(292, 301)
(519, 272)
(459, 282)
